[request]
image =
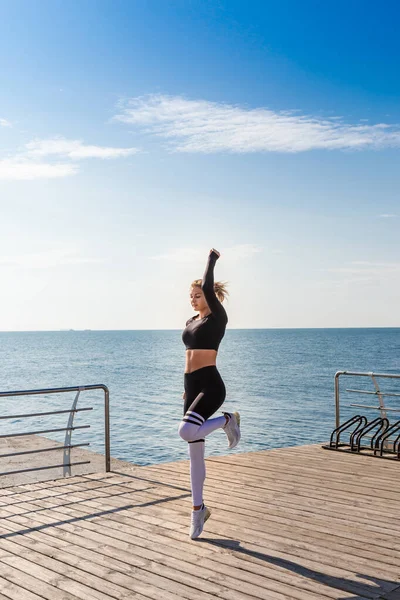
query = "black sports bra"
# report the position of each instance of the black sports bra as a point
(207, 333)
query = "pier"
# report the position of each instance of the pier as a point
(299, 522)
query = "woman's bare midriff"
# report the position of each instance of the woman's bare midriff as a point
(198, 359)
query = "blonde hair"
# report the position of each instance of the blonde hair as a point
(220, 288)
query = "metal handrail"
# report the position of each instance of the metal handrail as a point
(22, 453)
(375, 407)
(371, 393)
(23, 433)
(377, 391)
(44, 414)
(67, 429)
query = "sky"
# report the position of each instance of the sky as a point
(135, 136)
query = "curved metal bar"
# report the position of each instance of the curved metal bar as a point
(396, 446)
(342, 428)
(382, 422)
(363, 423)
(380, 442)
(58, 390)
(68, 437)
(379, 394)
(377, 435)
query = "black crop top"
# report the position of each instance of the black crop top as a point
(207, 333)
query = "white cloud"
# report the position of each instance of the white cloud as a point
(74, 149)
(388, 216)
(47, 259)
(5, 123)
(202, 126)
(22, 169)
(366, 268)
(28, 164)
(192, 255)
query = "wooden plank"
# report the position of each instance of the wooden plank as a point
(277, 531)
(286, 512)
(193, 592)
(382, 536)
(89, 561)
(270, 526)
(28, 587)
(175, 549)
(293, 472)
(258, 510)
(14, 591)
(306, 490)
(319, 465)
(250, 580)
(235, 483)
(311, 506)
(85, 579)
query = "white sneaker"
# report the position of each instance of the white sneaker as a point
(232, 429)
(199, 517)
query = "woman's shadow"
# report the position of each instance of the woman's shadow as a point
(379, 589)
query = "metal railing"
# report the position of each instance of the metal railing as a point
(379, 430)
(67, 464)
(377, 392)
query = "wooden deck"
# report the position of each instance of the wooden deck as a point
(299, 523)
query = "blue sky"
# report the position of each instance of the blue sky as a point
(134, 136)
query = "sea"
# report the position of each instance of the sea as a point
(280, 380)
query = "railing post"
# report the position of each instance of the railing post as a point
(107, 428)
(337, 405)
(380, 398)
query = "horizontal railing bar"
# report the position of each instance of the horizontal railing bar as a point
(371, 374)
(55, 412)
(377, 407)
(44, 450)
(86, 462)
(77, 388)
(45, 431)
(372, 393)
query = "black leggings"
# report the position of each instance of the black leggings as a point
(205, 392)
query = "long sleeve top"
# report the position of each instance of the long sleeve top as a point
(207, 333)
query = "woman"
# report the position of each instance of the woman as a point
(204, 388)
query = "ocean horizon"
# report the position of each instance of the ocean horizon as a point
(280, 379)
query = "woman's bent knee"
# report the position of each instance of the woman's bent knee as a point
(187, 431)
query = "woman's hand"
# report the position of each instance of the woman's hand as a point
(184, 396)
(216, 252)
